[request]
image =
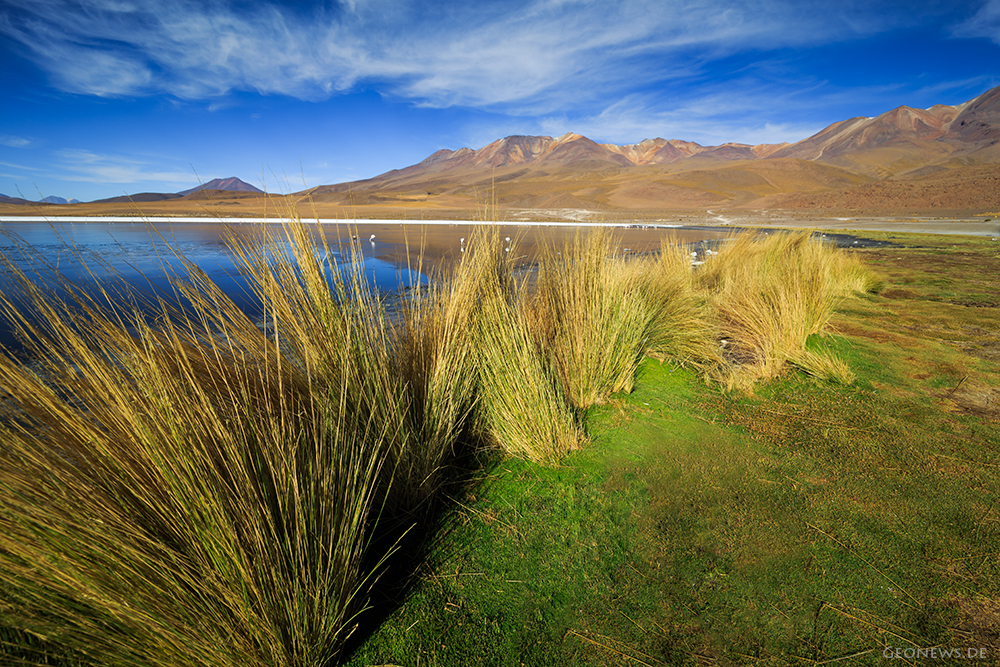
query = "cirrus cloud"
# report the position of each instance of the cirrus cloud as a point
(14, 142)
(530, 56)
(984, 23)
(87, 166)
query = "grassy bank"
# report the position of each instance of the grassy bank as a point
(199, 471)
(808, 523)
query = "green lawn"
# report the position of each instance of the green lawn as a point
(804, 524)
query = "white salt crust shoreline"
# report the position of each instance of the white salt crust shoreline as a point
(325, 221)
(954, 226)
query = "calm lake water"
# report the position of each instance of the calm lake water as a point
(141, 254)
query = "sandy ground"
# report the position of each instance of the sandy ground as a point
(963, 226)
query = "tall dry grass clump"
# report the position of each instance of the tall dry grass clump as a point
(598, 312)
(684, 324)
(328, 322)
(522, 408)
(589, 320)
(770, 293)
(181, 486)
(195, 491)
(434, 348)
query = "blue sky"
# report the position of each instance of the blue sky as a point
(109, 97)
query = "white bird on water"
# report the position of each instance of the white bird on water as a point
(372, 239)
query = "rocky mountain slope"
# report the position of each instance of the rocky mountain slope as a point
(906, 140)
(849, 157)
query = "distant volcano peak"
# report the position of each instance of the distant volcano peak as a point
(231, 184)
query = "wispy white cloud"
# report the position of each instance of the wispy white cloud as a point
(984, 23)
(740, 111)
(86, 166)
(530, 56)
(14, 142)
(18, 166)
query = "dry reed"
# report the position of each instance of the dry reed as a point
(194, 489)
(194, 492)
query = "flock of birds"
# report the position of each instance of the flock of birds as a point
(461, 241)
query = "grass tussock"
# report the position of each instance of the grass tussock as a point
(188, 487)
(189, 493)
(592, 323)
(433, 346)
(522, 407)
(598, 312)
(770, 293)
(824, 365)
(684, 325)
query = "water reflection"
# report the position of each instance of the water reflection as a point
(138, 257)
(134, 262)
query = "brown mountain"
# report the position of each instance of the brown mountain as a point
(228, 185)
(907, 141)
(567, 150)
(841, 165)
(52, 199)
(566, 171)
(570, 151)
(231, 184)
(141, 198)
(4, 199)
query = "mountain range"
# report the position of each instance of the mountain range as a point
(941, 158)
(216, 185)
(4, 199)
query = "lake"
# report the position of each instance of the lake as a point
(141, 253)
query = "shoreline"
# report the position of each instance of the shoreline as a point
(327, 221)
(713, 223)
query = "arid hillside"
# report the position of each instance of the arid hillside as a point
(945, 158)
(906, 159)
(972, 188)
